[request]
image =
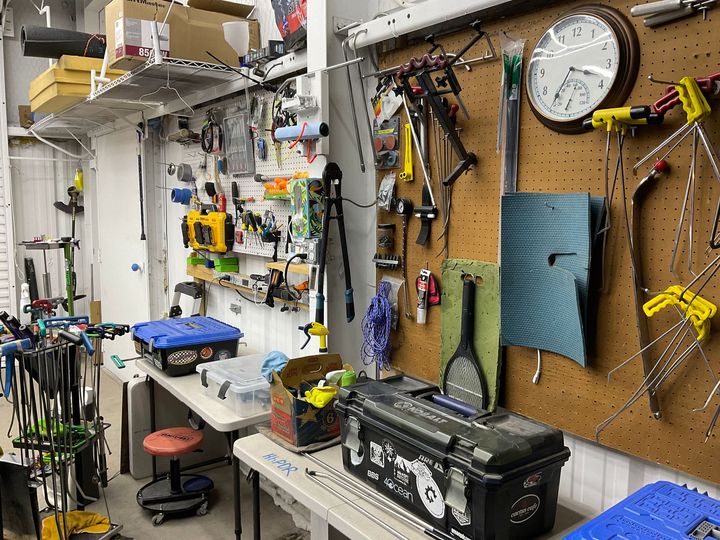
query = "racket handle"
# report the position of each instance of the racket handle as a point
(454, 405)
(468, 308)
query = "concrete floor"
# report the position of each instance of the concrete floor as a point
(218, 523)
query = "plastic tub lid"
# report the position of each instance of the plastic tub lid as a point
(185, 331)
(238, 375)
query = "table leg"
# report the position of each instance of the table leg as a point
(233, 436)
(256, 504)
(153, 428)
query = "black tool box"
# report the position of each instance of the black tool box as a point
(177, 345)
(489, 476)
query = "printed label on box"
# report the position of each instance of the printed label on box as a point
(133, 37)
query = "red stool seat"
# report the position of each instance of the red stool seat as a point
(173, 441)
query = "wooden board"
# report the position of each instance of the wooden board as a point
(568, 396)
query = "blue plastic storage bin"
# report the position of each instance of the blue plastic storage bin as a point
(178, 345)
(659, 511)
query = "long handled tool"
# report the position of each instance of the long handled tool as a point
(404, 208)
(641, 191)
(332, 189)
(140, 181)
(463, 379)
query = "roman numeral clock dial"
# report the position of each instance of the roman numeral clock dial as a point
(586, 60)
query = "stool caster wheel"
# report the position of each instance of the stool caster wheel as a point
(158, 519)
(202, 510)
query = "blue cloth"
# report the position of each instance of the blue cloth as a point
(274, 361)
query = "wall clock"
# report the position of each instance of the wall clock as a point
(588, 59)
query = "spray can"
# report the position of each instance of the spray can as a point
(24, 301)
(422, 291)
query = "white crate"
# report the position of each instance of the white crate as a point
(237, 383)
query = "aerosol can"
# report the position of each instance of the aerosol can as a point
(422, 284)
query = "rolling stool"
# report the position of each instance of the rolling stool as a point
(177, 493)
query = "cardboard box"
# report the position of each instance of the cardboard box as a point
(65, 84)
(25, 115)
(295, 420)
(188, 34)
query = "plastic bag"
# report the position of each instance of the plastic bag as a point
(291, 20)
(386, 193)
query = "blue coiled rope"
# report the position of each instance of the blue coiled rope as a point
(376, 327)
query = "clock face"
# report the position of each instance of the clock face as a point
(573, 68)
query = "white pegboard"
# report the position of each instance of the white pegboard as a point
(290, 162)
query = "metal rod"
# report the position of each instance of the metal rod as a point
(352, 106)
(416, 142)
(684, 127)
(681, 221)
(311, 475)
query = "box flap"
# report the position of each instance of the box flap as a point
(308, 368)
(221, 6)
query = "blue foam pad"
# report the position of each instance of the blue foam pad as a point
(545, 271)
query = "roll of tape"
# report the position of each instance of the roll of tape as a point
(184, 172)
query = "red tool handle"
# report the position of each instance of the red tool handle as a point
(708, 86)
(424, 62)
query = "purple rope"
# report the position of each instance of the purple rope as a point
(376, 327)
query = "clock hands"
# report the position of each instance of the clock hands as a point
(557, 94)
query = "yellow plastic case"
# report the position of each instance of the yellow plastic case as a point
(220, 224)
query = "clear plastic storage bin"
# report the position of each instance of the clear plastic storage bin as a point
(237, 383)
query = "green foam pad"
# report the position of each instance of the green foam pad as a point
(486, 342)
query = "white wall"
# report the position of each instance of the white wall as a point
(20, 70)
(39, 179)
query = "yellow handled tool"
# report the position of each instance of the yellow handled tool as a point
(316, 329)
(693, 100)
(620, 118)
(695, 308)
(407, 174)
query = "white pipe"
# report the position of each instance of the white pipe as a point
(7, 185)
(418, 17)
(56, 147)
(28, 158)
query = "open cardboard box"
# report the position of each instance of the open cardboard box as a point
(295, 420)
(188, 34)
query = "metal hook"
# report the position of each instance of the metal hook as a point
(658, 81)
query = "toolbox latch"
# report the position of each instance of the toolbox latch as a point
(203, 378)
(455, 492)
(352, 436)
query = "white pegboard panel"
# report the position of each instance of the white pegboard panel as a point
(289, 163)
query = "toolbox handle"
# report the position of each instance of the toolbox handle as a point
(389, 415)
(222, 393)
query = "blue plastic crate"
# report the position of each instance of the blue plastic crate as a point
(659, 511)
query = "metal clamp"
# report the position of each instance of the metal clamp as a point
(455, 490)
(352, 436)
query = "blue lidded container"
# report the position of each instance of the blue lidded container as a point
(662, 510)
(178, 345)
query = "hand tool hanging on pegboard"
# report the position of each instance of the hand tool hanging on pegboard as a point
(666, 11)
(404, 208)
(446, 83)
(332, 195)
(692, 94)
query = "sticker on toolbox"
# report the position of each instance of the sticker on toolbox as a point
(430, 494)
(524, 508)
(402, 470)
(133, 37)
(389, 450)
(377, 456)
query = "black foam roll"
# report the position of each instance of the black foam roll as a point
(43, 42)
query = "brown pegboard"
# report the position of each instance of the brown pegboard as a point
(568, 396)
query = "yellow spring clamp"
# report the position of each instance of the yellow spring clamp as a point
(407, 174)
(694, 104)
(695, 308)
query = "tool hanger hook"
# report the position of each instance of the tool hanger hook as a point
(652, 79)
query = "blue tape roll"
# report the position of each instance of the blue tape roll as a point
(313, 130)
(181, 195)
